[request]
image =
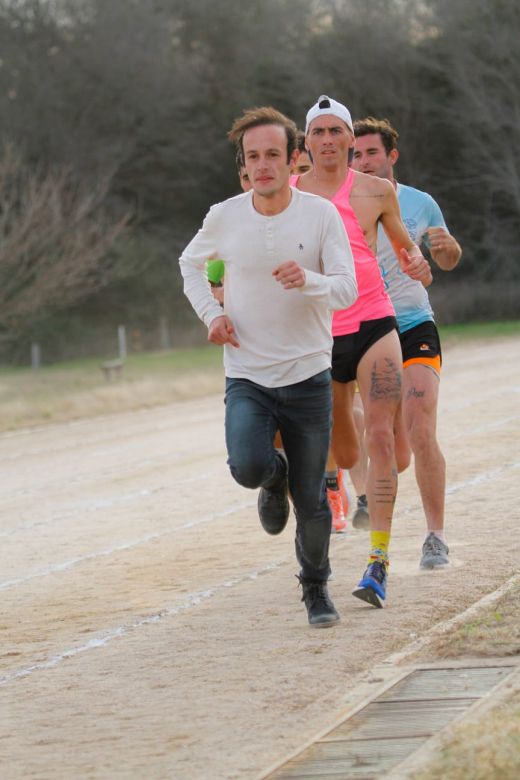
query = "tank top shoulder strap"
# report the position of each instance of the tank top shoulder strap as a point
(344, 191)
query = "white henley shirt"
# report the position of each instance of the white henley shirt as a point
(284, 335)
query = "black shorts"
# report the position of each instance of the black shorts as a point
(422, 344)
(348, 350)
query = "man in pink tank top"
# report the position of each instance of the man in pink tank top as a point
(366, 343)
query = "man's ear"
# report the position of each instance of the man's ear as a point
(393, 156)
(293, 158)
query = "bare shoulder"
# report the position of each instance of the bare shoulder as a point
(369, 186)
(303, 182)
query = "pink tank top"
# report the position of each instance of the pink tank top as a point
(373, 302)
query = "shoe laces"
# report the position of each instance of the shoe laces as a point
(378, 570)
(314, 591)
(335, 503)
(435, 544)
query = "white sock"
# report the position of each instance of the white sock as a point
(438, 532)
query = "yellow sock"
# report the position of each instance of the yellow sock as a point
(379, 541)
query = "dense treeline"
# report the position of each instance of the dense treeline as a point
(113, 120)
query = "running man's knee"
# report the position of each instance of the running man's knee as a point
(380, 441)
(252, 471)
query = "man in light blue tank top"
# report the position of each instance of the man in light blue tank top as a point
(376, 153)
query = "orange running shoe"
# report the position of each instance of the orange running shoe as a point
(343, 491)
(339, 523)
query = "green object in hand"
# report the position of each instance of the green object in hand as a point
(215, 270)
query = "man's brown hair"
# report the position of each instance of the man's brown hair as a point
(300, 141)
(382, 127)
(256, 117)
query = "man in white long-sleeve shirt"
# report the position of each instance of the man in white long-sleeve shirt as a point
(288, 264)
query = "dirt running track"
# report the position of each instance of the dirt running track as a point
(150, 629)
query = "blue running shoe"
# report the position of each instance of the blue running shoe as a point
(372, 587)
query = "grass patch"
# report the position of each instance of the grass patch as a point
(496, 632)
(472, 331)
(67, 391)
(488, 748)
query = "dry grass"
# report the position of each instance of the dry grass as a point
(496, 632)
(69, 391)
(489, 748)
(486, 750)
(75, 390)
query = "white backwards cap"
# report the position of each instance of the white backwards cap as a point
(327, 105)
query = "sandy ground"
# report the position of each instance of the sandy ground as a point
(150, 629)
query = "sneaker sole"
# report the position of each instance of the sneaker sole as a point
(339, 530)
(430, 565)
(325, 623)
(362, 523)
(370, 596)
(361, 526)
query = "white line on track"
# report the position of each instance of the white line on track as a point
(486, 476)
(492, 426)
(193, 599)
(104, 637)
(59, 567)
(94, 505)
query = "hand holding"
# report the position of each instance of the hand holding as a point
(415, 265)
(290, 275)
(439, 239)
(221, 331)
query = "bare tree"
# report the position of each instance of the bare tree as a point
(56, 241)
(470, 104)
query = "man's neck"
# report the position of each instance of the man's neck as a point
(269, 206)
(330, 176)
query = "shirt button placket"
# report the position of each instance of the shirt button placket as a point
(269, 237)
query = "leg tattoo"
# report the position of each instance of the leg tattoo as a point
(385, 384)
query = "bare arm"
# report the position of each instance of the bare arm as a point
(411, 260)
(444, 249)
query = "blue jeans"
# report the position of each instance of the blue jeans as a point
(303, 414)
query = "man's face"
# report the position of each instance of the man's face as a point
(329, 140)
(302, 164)
(370, 156)
(265, 156)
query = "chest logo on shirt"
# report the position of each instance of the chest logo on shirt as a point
(411, 226)
(300, 247)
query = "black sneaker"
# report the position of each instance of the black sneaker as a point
(320, 609)
(360, 518)
(273, 503)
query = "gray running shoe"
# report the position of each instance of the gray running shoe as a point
(360, 518)
(434, 552)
